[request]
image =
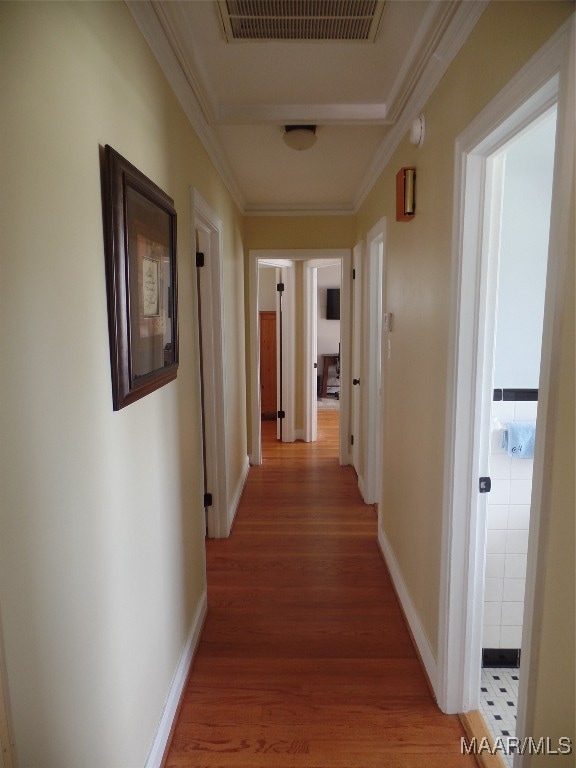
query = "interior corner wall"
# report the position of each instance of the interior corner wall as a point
(102, 553)
(418, 284)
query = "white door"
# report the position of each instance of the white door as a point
(356, 354)
(371, 379)
(211, 342)
(286, 331)
(311, 352)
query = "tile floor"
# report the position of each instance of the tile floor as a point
(499, 702)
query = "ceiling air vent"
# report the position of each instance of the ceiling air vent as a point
(285, 20)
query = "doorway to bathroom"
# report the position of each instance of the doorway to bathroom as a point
(529, 97)
(518, 213)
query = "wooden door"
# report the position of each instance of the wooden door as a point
(268, 376)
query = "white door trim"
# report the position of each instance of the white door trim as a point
(371, 381)
(531, 93)
(288, 370)
(209, 227)
(345, 357)
(356, 332)
(310, 352)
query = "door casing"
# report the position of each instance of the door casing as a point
(355, 399)
(541, 83)
(372, 378)
(209, 228)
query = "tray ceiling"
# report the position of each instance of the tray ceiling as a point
(361, 94)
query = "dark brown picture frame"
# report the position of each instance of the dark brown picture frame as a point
(141, 280)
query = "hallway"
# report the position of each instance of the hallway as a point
(305, 659)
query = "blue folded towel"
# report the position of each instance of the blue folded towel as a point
(518, 439)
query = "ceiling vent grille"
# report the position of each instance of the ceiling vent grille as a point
(296, 20)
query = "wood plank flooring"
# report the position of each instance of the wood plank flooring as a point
(305, 660)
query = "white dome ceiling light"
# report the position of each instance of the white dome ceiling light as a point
(299, 137)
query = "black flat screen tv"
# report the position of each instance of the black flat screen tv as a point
(333, 304)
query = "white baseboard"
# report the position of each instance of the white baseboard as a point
(156, 754)
(238, 493)
(416, 628)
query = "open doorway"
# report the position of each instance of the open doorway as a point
(529, 97)
(268, 331)
(328, 341)
(297, 344)
(520, 220)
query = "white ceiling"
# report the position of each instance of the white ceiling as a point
(362, 96)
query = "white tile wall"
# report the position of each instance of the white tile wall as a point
(496, 541)
(510, 637)
(493, 614)
(508, 519)
(491, 637)
(516, 541)
(512, 589)
(520, 489)
(511, 615)
(495, 565)
(500, 493)
(515, 566)
(518, 516)
(494, 590)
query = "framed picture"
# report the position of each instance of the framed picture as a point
(141, 280)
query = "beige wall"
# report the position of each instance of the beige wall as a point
(293, 232)
(418, 291)
(101, 523)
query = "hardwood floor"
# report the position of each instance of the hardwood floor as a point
(305, 660)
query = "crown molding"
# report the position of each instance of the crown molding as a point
(458, 21)
(187, 61)
(308, 114)
(186, 88)
(415, 60)
(426, 67)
